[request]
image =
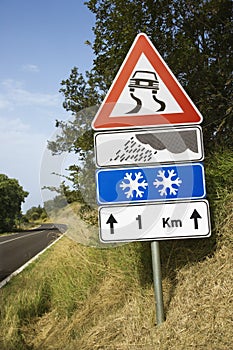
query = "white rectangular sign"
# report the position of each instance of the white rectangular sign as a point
(149, 146)
(154, 221)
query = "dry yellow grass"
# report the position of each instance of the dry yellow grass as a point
(122, 317)
(104, 300)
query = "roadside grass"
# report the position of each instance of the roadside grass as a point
(76, 297)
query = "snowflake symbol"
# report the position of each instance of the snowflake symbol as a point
(133, 185)
(167, 182)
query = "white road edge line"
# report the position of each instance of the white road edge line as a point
(21, 268)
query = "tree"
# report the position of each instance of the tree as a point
(53, 205)
(35, 213)
(194, 38)
(11, 197)
(64, 191)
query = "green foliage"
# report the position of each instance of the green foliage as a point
(55, 204)
(11, 197)
(218, 173)
(66, 195)
(35, 213)
(88, 214)
(194, 38)
(79, 92)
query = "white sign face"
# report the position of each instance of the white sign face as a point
(145, 93)
(154, 221)
(149, 146)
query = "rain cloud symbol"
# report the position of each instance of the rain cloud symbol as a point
(135, 149)
(174, 142)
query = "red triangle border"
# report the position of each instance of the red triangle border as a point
(190, 114)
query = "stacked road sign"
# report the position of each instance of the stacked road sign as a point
(149, 148)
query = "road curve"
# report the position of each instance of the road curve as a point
(16, 249)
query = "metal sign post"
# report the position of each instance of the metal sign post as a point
(157, 279)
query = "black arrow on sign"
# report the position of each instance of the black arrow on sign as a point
(111, 220)
(195, 216)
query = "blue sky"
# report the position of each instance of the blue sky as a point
(40, 42)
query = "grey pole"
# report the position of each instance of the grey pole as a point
(157, 278)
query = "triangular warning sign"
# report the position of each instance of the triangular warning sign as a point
(145, 93)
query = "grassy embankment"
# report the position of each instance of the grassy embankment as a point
(81, 298)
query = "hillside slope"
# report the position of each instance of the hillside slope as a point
(81, 298)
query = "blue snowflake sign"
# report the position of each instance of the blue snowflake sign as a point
(158, 183)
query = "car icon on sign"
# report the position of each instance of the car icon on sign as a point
(144, 80)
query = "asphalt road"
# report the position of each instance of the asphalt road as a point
(16, 249)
